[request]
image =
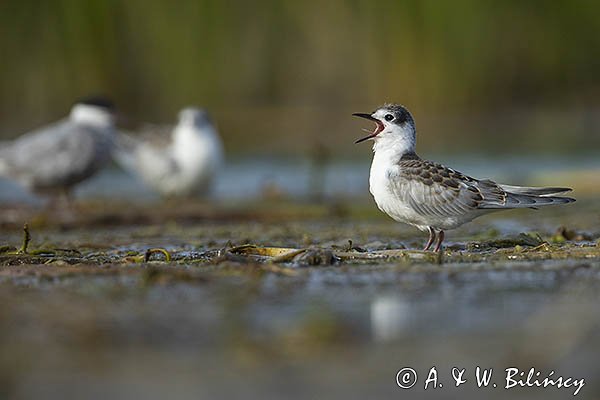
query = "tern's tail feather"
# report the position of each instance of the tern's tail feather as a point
(534, 191)
(522, 201)
(530, 197)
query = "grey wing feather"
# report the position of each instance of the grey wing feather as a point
(527, 201)
(158, 135)
(124, 152)
(508, 196)
(59, 155)
(144, 160)
(432, 189)
(534, 191)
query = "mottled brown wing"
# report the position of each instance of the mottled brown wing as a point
(432, 189)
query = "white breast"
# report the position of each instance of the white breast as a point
(387, 201)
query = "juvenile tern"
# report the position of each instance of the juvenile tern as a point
(183, 166)
(428, 195)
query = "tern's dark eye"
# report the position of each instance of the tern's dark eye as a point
(388, 117)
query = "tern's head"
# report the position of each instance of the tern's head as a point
(193, 116)
(97, 111)
(394, 124)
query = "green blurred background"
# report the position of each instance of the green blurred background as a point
(282, 77)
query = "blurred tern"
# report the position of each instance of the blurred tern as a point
(428, 195)
(54, 158)
(184, 166)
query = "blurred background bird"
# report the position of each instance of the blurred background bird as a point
(55, 158)
(182, 165)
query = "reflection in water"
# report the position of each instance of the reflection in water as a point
(390, 318)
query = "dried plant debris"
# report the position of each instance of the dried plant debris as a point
(523, 239)
(304, 236)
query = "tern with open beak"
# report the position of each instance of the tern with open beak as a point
(428, 195)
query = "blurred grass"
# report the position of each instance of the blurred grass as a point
(271, 67)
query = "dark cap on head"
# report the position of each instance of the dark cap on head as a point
(400, 113)
(98, 101)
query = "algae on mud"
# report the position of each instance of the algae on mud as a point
(290, 233)
(297, 296)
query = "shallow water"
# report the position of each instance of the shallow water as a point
(330, 332)
(300, 178)
(85, 316)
